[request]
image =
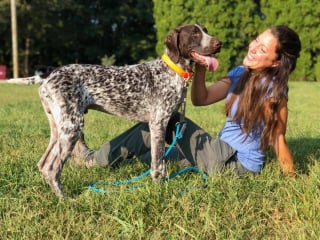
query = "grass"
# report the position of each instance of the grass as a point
(266, 206)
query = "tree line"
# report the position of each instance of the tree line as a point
(59, 32)
(131, 31)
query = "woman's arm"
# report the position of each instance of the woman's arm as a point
(202, 95)
(279, 144)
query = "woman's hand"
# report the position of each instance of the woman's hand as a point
(201, 95)
(279, 144)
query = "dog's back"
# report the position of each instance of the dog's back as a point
(129, 91)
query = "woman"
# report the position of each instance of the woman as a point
(256, 108)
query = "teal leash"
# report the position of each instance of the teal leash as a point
(178, 135)
(94, 188)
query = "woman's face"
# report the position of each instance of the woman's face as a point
(262, 52)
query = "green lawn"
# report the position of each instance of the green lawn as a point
(266, 206)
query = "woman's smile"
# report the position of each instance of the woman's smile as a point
(262, 52)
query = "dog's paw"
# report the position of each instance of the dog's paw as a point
(158, 173)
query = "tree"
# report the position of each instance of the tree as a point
(236, 23)
(5, 33)
(304, 17)
(60, 32)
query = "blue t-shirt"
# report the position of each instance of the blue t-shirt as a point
(248, 152)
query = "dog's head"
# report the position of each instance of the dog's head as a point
(192, 42)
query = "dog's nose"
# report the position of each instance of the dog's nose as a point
(217, 44)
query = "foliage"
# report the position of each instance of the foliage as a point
(236, 23)
(265, 206)
(108, 61)
(66, 31)
(304, 17)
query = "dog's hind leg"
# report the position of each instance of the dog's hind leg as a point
(64, 134)
(58, 152)
(53, 136)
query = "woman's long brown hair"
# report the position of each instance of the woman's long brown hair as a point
(257, 95)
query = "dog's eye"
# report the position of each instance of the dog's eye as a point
(195, 34)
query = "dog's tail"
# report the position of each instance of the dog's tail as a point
(26, 81)
(37, 79)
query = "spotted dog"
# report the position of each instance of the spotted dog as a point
(148, 92)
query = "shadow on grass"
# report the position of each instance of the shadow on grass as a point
(305, 152)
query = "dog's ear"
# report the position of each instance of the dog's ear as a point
(171, 43)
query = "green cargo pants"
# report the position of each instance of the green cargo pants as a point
(196, 148)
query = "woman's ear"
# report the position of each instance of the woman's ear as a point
(275, 63)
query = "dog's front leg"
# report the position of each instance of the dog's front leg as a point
(158, 166)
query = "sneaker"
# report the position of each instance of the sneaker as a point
(82, 155)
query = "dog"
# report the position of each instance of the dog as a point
(148, 92)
